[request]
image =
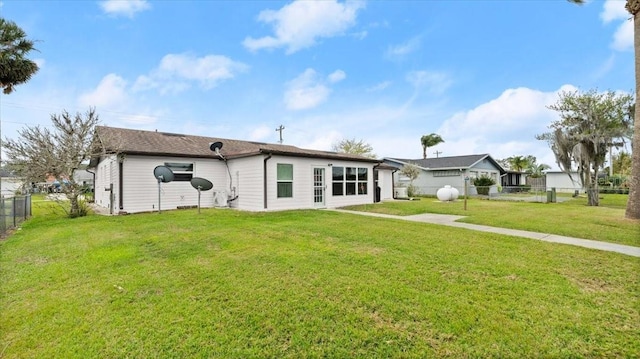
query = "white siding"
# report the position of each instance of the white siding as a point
(303, 195)
(340, 201)
(435, 183)
(385, 182)
(140, 188)
(562, 182)
(106, 174)
(247, 178)
(250, 178)
(242, 182)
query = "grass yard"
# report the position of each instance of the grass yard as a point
(305, 284)
(572, 218)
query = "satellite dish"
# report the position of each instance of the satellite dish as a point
(201, 184)
(163, 174)
(215, 146)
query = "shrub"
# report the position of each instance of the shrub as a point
(483, 183)
(412, 191)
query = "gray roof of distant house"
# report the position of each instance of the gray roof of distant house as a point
(443, 163)
(153, 143)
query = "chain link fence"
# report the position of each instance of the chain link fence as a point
(525, 193)
(13, 211)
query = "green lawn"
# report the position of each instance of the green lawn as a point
(305, 284)
(572, 218)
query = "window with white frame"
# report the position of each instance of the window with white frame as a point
(182, 171)
(349, 181)
(285, 180)
(449, 173)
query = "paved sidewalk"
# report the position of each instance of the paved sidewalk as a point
(450, 220)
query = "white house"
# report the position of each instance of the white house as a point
(246, 175)
(562, 182)
(438, 172)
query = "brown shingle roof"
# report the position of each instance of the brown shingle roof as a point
(155, 143)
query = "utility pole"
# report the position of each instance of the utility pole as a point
(279, 129)
(437, 153)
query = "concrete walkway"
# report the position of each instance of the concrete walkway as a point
(450, 220)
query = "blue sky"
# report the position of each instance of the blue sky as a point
(479, 73)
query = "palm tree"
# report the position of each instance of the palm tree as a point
(15, 68)
(633, 204)
(518, 163)
(429, 141)
(536, 170)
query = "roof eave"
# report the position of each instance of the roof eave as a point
(318, 155)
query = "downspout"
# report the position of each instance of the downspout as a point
(375, 183)
(93, 184)
(393, 185)
(120, 184)
(264, 181)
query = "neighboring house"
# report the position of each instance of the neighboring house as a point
(83, 177)
(441, 171)
(10, 184)
(562, 182)
(246, 175)
(512, 179)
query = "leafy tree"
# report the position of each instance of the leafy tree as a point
(633, 204)
(412, 172)
(354, 147)
(429, 141)
(622, 163)
(15, 68)
(38, 152)
(588, 123)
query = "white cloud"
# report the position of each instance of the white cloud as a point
(623, 37)
(126, 8)
(504, 126)
(299, 24)
(614, 10)
(360, 35)
(325, 140)
(379, 87)
(176, 72)
(435, 82)
(404, 49)
(337, 76)
(605, 68)
(117, 106)
(305, 91)
(111, 91)
(261, 133)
